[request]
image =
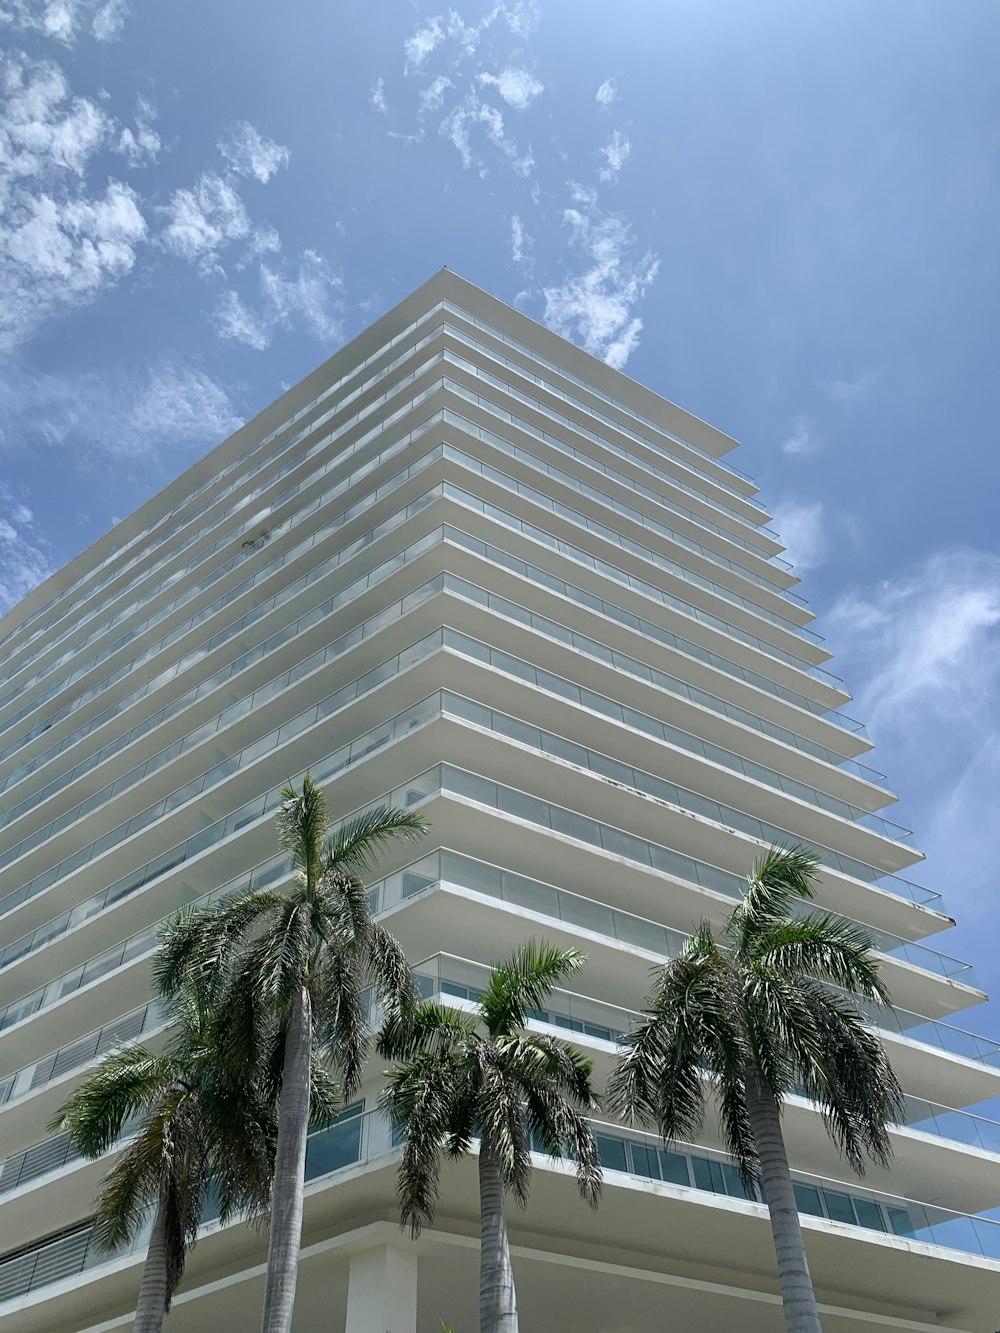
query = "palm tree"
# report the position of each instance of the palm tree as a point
(198, 1135)
(754, 1016)
(295, 966)
(466, 1076)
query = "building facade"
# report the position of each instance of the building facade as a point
(466, 567)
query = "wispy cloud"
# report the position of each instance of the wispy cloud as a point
(432, 97)
(312, 297)
(606, 94)
(802, 527)
(24, 552)
(516, 86)
(66, 20)
(251, 153)
(923, 652)
(202, 220)
(114, 414)
(376, 97)
(472, 113)
(801, 439)
(142, 145)
(419, 46)
(616, 153)
(595, 305)
(520, 242)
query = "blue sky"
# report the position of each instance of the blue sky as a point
(782, 216)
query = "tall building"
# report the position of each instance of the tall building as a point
(466, 567)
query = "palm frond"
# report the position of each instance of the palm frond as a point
(431, 1027)
(778, 879)
(197, 946)
(358, 844)
(302, 822)
(127, 1081)
(390, 974)
(525, 981)
(827, 948)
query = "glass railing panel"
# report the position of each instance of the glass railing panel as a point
(656, 594)
(625, 543)
(161, 530)
(462, 643)
(359, 1137)
(598, 393)
(193, 590)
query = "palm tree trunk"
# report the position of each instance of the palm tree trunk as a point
(497, 1300)
(152, 1303)
(289, 1171)
(797, 1295)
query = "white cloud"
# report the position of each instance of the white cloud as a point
(923, 651)
(250, 153)
(56, 254)
(606, 94)
(520, 241)
(376, 96)
(471, 113)
(432, 97)
(115, 414)
(521, 17)
(802, 529)
(24, 553)
(202, 220)
(927, 642)
(313, 298)
(44, 130)
(236, 322)
(594, 306)
(66, 20)
(802, 439)
(142, 145)
(60, 245)
(417, 48)
(615, 153)
(516, 86)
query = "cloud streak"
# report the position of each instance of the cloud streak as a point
(594, 306)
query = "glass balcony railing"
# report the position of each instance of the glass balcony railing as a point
(521, 893)
(541, 623)
(503, 605)
(358, 1137)
(164, 528)
(395, 728)
(611, 535)
(594, 465)
(675, 482)
(599, 393)
(443, 978)
(344, 757)
(470, 647)
(497, 555)
(75, 1054)
(581, 557)
(193, 590)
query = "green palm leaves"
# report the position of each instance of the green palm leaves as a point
(769, 1007)
(464, 1077)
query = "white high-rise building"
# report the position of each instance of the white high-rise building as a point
(469, 567)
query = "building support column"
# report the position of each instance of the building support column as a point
(382, 1290)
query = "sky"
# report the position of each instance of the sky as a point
(782, 216)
